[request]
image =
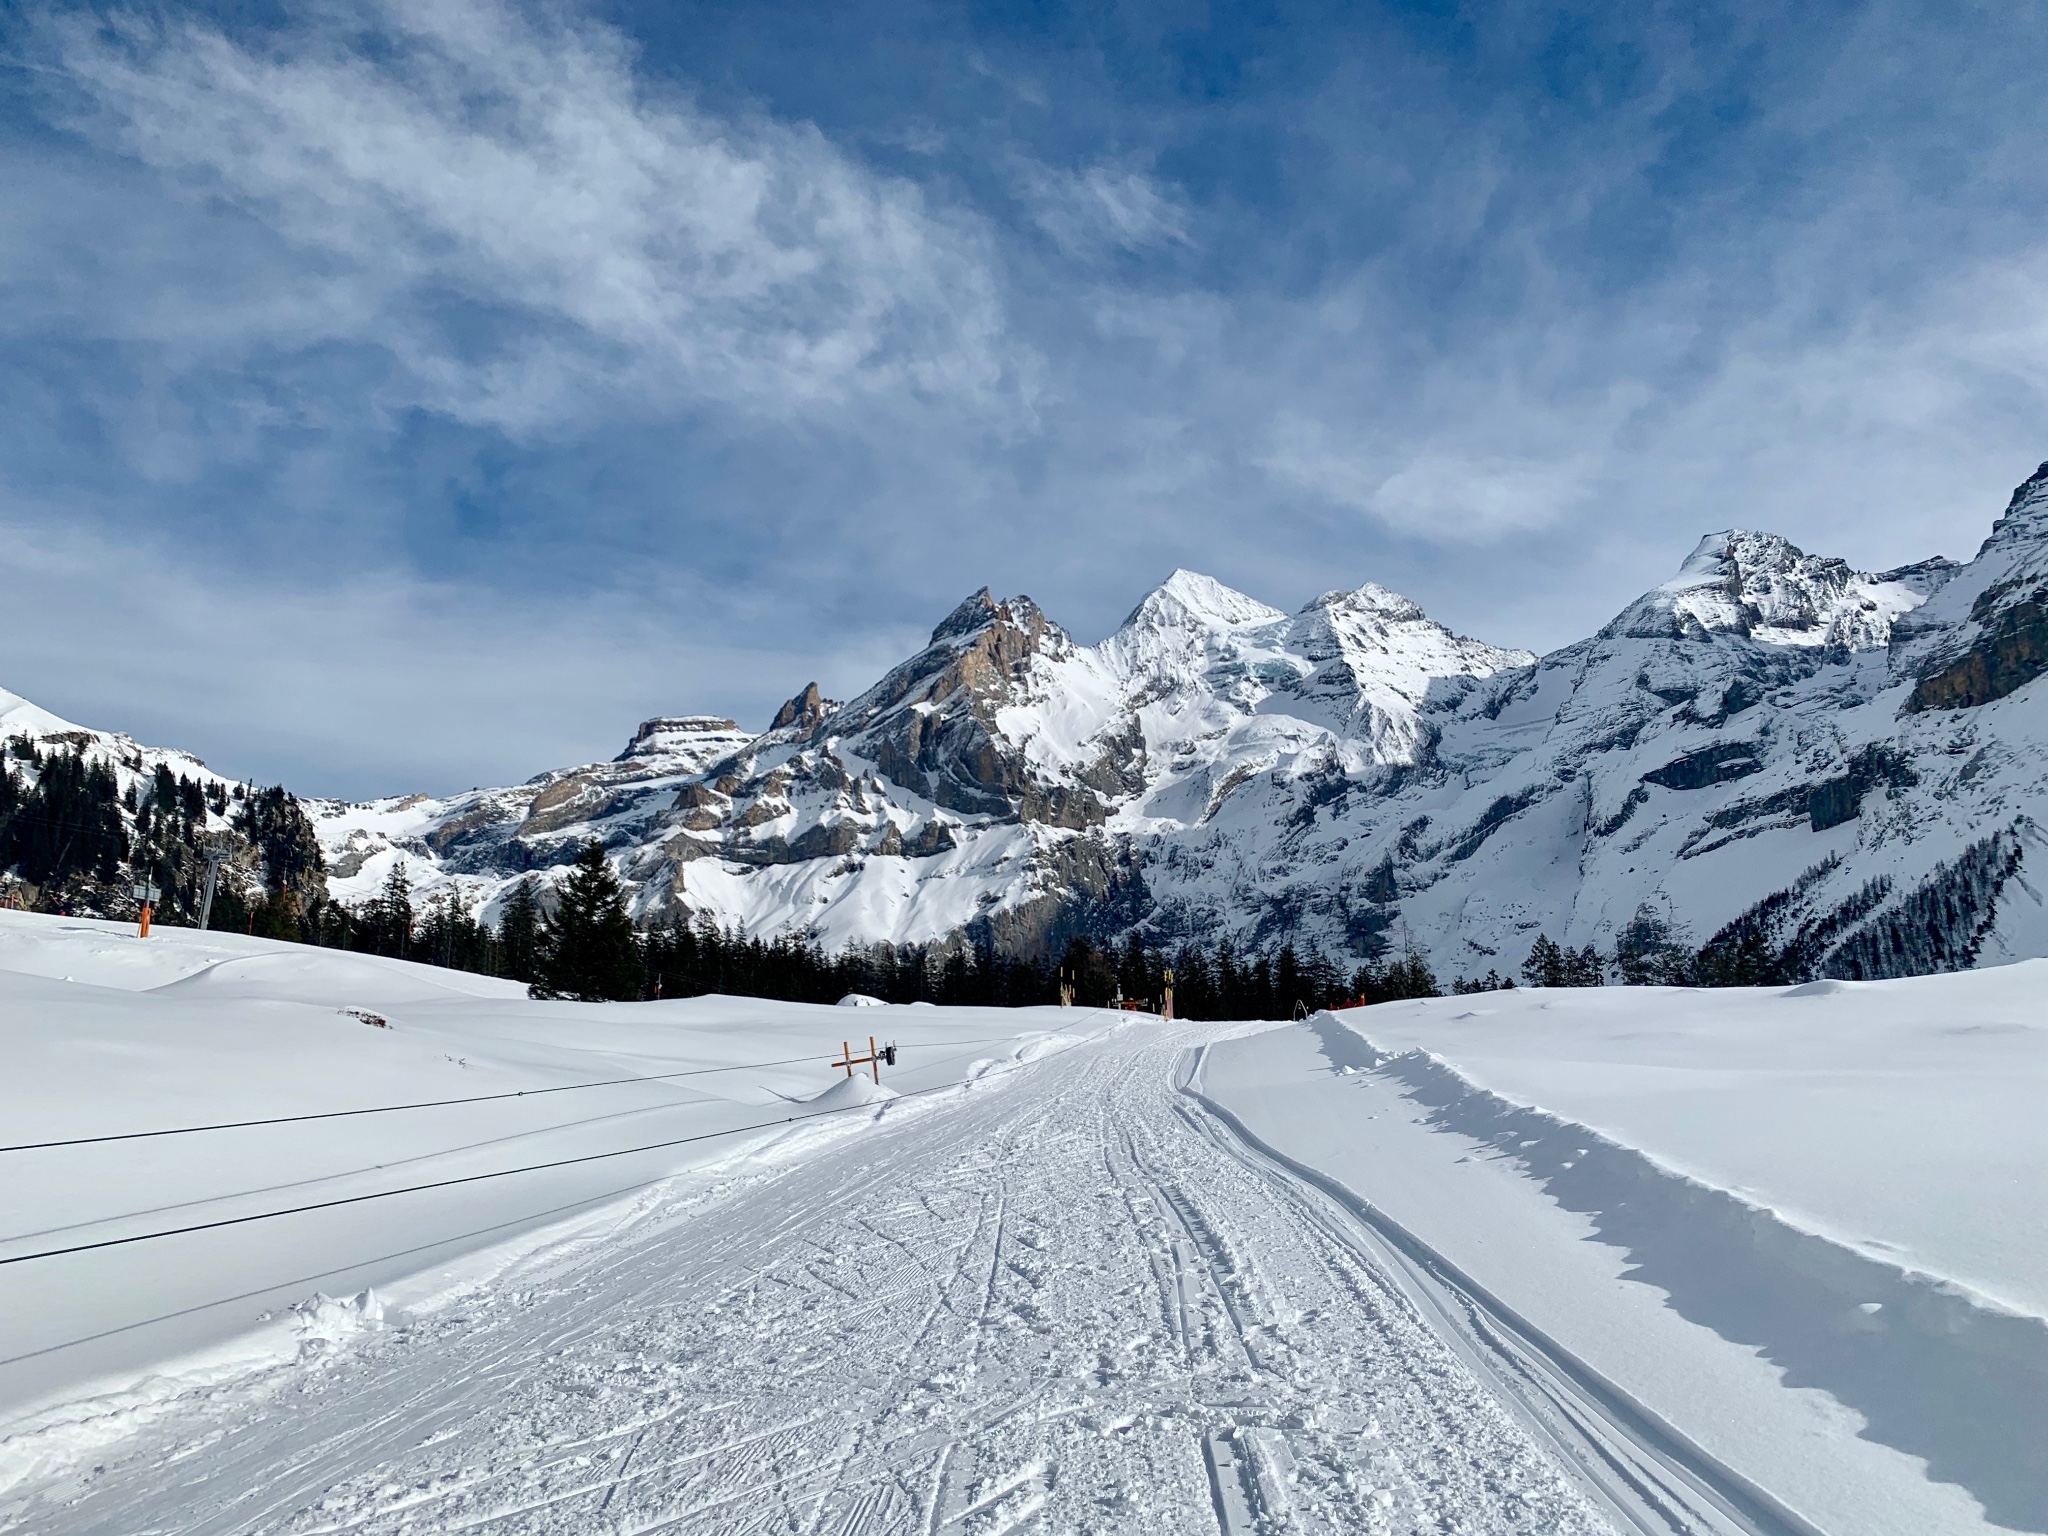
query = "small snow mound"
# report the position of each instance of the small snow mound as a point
(860, 1000)
(1823, 988)
(326, 1320)
(848, 1091)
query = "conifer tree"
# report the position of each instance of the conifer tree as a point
(588, 950)
(1545, 966)
(519, 932)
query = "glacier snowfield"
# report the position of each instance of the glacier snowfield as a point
(1619, 1260)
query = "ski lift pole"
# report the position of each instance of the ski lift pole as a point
(216, 850)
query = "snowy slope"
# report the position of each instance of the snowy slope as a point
(132, 762)
(1804, 1225)
(105, 1033)
(1470, 1265)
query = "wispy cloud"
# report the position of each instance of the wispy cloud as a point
(1103, 208)
(479, 306)
(539, 232)
(1440, 495)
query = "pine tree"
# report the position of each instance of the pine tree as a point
(1545, 966)
(1584, 968)
(588, 950)
(1649, 953)
(392, 912)
(519, 931)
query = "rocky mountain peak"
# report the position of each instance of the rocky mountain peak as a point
(692, 734)
(1761, 586)
(2026, 515)
(976, 612)
(803, 713)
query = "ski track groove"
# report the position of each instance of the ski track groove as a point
(1038, 1307)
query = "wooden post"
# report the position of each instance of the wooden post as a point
(849, 1061)
(145, 920)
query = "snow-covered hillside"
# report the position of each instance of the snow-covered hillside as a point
(105, 1034)
(1847, 762)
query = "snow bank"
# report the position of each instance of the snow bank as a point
(105, 1034)
(1902, 1119)
(1842, 1180)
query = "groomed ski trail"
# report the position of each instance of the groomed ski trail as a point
(1068, 1299)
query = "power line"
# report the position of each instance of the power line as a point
(388, 1109)
(502, 1173)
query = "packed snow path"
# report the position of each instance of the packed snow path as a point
(1067, 1299)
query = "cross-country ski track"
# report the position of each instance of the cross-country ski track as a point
(1072, 1297)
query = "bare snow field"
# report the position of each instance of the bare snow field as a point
(1761, 1262)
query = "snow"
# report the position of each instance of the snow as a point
(18, 717)
(975, 1312)
(106, 1033)
(1808, 1227)
(1588, 1262)
(1901, 1118)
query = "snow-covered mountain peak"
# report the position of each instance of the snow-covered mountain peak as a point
(1761, 586)
(18, 717)
(1369, 659)
(1188, 599)
(684, 743)
(1371, 599)
(2026, 515)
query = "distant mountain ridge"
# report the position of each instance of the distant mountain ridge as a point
(1772, 746)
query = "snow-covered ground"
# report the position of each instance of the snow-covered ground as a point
(1761, 1263)
(105, 1033)
(1709, 1198)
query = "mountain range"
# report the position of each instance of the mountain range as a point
(1771, 747)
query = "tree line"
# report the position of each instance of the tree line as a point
(64, 832)
(585, 945)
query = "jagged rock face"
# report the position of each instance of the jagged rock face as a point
(801, 713)
(931, 726)
(1768, 719)
(1987, 636)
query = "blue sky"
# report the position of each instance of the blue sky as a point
(416, 395)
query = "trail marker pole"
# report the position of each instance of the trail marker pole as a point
(146, 893)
